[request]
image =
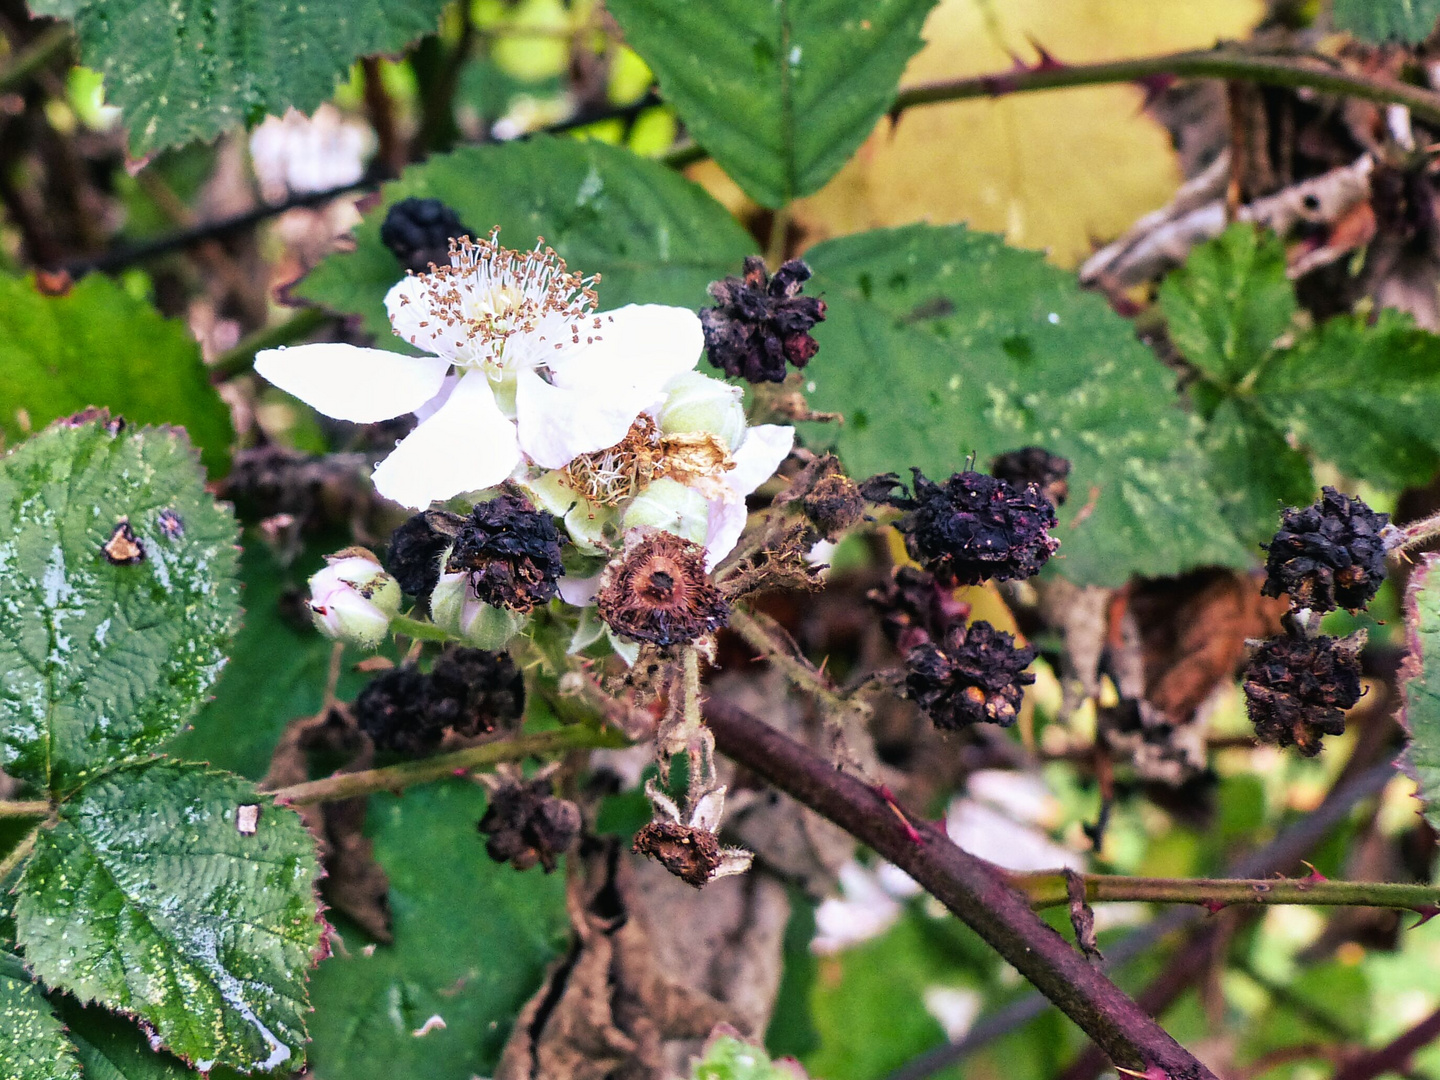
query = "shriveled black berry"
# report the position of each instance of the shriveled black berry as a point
(1327, 555)
(469, 691)
(831, 500)
(659, 592)
(976, 675)
(975, 528)
(418, 232)
(1035, 465)
(760, 323)
(526, 824)
(511, 552)
(1297, 689)
(416, 547)
(914, 608)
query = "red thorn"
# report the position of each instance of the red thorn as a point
(1214, 906)
(1426, 913)
(1314, 874)
(911, 833)
(1047, 59)
(1154, 86)
(458, 772)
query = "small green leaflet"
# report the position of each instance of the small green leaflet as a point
(33, 1045)
(97, 345)
(149, 897)
(780, 92)
(191, 69)
(654, 237)
(101, 661)
(1420, 684)
(941, 343)
(728, 1057)
(1388, 20)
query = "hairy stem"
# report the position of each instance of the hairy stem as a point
(1418, 532)
(1047, 889)
(1223, 62)
(417, 629)
(26, 808)
(761, 634)
(407, 773)
(971, 888)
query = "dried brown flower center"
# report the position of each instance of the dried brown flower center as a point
(609, 477)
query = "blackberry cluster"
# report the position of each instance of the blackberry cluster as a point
(915, 609)
(418, 233)
(510, 551)
(660, 593)
(1328, 555)
(760, 323)
(526, 824)
(1035, 465)
(416, 547)
(1297, 689)
(976, 676)
(468, 691)
(973, 527)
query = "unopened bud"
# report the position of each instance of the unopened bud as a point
(672, 507)
(353, 599)
(695, 403)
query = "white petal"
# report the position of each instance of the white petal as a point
(727, 522)
(431, 407)
(350, 383)
(408, 305)
(465, 446)
(639, 345)
(764, 448)
(580, 591)
(557, 423)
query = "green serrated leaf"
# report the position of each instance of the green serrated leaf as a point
(33, 1045)
(1230, 302)
(97, 345)
(100, 661)
(194, 68)
(1388, 20)
(780, 92)
(727, 1057)
(148, 898)
(1420, 685)
(1255, 472)
(941, 343)
(113, 1048)
(472, 940)
(1362, 397)
(653, 235)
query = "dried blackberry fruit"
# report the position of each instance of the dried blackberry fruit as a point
(510, 551)
(915, 609)
(392, 711)
(1297, 689)
(975, 528)
(473, 691)
(526, 824)
(1328, 555)
(830, 499)
(692, 854)
(976, 676)
(416, 547)
(1035, 465)
(761, 323)
(659, 592)
(469, 691)
(418, 233)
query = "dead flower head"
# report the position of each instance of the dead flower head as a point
(658, 591)
(690, 849)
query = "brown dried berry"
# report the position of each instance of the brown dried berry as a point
(469, 691)
(914, 608)
(977, 676)
(1327, 555)
(691, 854)
(123, 549)
(510, 552)
(1297, 689)
(830, 499)
(761, 323)
(526, 824)
(658, 591)
(416, 548)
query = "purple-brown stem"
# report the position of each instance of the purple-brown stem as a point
(971, 888)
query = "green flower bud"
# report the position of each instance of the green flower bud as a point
(669, 505)
(353, 599)
(456, 609)
(696, 402)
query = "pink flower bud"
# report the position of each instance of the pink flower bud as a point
(353, 599)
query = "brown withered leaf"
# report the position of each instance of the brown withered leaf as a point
(354, 883)
(607, 1008)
